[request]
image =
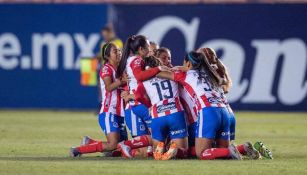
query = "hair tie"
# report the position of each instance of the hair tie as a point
(192, 59)
(133, 37)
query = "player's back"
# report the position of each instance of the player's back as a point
(164, 96)
(201, 90)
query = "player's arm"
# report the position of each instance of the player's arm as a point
(137, 66)
(166, 75)
(141, 95)
(140, 74)
(127, 97)
(178, 76)
(109, 85)
(106, 75)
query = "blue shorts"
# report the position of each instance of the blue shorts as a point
(112, 123)
(192, 133)
(213, 123)
(173, 125)
(135, 124)
(142, 112)
(232, 120)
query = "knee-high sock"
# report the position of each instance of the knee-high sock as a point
(92, 141)
(213, 153)
(91, 148)
(241, 149)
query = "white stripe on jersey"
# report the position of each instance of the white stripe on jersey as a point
(190, 104)
(206, 96)
(132, 83)
(110, 99)
(200, 124)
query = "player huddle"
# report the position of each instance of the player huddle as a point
(171, 112)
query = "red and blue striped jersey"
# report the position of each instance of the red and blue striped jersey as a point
(111, 101)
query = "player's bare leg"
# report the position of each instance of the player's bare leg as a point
(202, 144)
(221, 143)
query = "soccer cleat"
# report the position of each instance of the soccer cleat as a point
(85, 140)
(124, 149)
(251, 152)
(263, 150)
(74, 152)
(171, 153)
(157, 154)
(234, 153)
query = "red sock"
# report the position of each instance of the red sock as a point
(90, 141)
(91, 148)
(213, 153)
(150, 154)
(133, 152)
(137, 142)
(191, 151)
(181, 153)
(116, 153)
(149, 151)
(241, 149)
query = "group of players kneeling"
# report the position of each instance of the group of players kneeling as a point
(171, 112)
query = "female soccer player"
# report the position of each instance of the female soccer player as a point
(153, 47)
(137, 115)
(246, 148)
(167, 114)
(111, 118)
(164, 55)
(213, 120)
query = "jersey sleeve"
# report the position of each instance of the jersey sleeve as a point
(139, 95)
(137, 66)
(106, 72)
(180, 76)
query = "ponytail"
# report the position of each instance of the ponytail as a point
(198, 61)
(131, 46)
(123, 61)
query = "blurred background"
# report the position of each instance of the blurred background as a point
(263, 43)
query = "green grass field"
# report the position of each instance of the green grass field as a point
(37, 142)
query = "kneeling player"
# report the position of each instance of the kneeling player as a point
(167, 115)
(111, 117)
(252, 151)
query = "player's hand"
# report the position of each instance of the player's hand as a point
(180, 68)
(165, 68)
(124, 78)
(124, 94)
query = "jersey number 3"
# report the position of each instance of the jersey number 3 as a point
(164, 85)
